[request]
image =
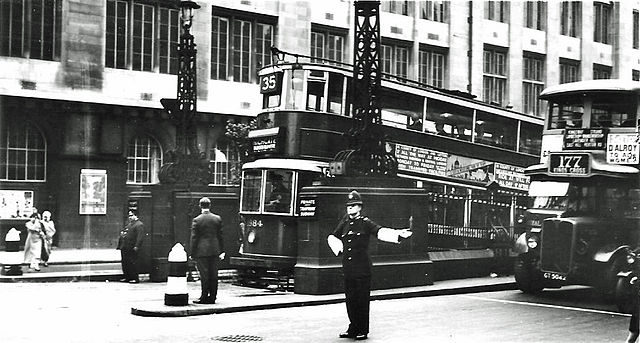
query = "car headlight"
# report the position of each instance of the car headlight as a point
(532, 242)
(251, 236)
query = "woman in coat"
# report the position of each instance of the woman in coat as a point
(33, 243)
(49, 231)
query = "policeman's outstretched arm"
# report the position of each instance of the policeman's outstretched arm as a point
(395, 235)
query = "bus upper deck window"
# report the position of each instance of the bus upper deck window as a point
(565, 115)
(277, 196)
(613, 110)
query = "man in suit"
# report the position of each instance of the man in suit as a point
(129, 245)
(207, 248)
(351, 238)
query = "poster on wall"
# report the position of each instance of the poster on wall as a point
(15, 204)
(93, 191)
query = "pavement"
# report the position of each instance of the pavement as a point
(70, 265)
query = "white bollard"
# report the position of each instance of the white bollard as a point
(13, 257)
(177, 293)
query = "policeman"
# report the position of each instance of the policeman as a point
(351, 238)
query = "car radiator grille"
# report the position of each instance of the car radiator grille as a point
(555, 251)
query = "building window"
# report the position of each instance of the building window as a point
(169, 25)
(601, 72)
(395, 60)
(636, 29)
(495, 77)
(635, 75)
(569, 71)
(532, 84)
(432, 68)
(601, 25)
(23, 152)
(327, 45)
(535, 15)
(224, 164)
(132, 41)
(497, 11)
(144, 159)
(239, 46)
(397, 7)
(31, 29)
(434, 10)
(570, 12)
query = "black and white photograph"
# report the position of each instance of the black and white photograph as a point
(319, 171)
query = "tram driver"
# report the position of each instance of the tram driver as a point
(279, 198)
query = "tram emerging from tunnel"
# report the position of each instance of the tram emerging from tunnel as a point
(467, 155)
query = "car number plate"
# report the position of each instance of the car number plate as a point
(554, 276)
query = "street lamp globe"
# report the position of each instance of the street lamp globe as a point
(186, 11)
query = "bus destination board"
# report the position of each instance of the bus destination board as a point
(569, 164)
(584, 139)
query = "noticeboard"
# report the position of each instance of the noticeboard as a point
(623, 148)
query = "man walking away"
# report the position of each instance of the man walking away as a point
(207, 248)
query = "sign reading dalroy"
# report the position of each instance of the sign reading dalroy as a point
(623, 149)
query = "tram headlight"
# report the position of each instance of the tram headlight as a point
(251, 236)
(532, 242)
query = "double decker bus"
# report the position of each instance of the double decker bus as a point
(469, 156)
(586, 197)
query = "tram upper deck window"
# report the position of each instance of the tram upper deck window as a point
(530, 138)
(613, 110)
(278, 191)
(495, 130)
(566, 113)
(295, 97)
(402, 110)
(316, 83)
(251, 186)
(449, 120)
(271, 89)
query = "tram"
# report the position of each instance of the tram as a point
(585, 214)
(468, 157)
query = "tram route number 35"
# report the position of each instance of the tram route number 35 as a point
(270, 83)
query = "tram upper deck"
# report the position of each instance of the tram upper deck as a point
(405, 105)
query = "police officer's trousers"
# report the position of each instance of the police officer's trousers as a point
(357, 292)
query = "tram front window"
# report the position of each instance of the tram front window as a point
(277, 195)
(251, 181)
(566, 113)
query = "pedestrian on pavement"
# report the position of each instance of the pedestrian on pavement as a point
(49, 229)
(129, 244)
(634, 329)
(351, 238)
(207, 247)
(33, 243)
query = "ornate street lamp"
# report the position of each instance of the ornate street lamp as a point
(185, 164)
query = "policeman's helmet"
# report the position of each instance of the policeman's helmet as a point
(354, 199)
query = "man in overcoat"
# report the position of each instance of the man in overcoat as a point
(129, 244)
(207, 248)
(351, 238)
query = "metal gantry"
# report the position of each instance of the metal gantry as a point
(185, 164)
(368, 154)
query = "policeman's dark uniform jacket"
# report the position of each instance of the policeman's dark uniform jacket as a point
(206, 245)
(129, 244)
(356, 266)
